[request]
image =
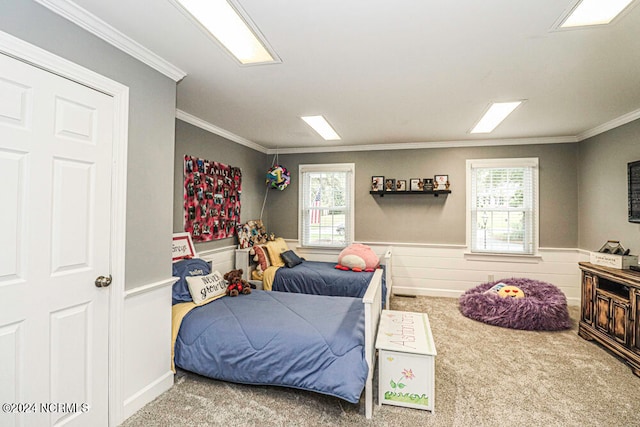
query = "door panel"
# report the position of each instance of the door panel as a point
(71, 234)
(55, 226)
(620, 320)
(603, 308)
(71, 354)
(75, 121)
(14, 103)
(588, 286)
(12, 174)
(11, 370)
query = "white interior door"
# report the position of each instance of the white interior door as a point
(55, 198)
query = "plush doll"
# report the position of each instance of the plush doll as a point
(357, 257)
(236, 285)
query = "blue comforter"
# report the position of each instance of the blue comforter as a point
(322, 278)
(308, 342)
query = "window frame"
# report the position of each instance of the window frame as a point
(528, 162)
(350, 169)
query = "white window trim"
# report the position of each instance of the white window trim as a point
(327, 167)
(498, 163)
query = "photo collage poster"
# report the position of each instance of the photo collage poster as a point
(211, 199)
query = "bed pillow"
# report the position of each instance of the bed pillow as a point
(183, 269)
(262, 257)
(275, 248)
(291, 259)
(206, 288)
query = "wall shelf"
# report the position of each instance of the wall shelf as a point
(434, 193)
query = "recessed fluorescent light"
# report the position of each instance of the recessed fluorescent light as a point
(320, 125)
(231, 28)
(497, 112)
(594, 12)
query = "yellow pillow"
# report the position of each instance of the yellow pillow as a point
(275, 248)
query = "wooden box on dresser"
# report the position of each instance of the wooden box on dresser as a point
(610, 310)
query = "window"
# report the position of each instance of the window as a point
(326, 204)
(502, 206)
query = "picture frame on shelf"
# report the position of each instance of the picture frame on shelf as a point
(441, 182)
(377, 183)
(390, 184)
(428, 184)
(401, 185)
(417, 184)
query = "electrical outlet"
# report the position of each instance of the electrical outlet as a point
(491, 278)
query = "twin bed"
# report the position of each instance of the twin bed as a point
(320, 343)
(315, 277)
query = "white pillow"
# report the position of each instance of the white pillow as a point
(206, 288)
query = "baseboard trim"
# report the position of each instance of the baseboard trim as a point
(408, 291)
(136, 402)
(399, 291)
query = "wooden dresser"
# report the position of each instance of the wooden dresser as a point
(610, 311)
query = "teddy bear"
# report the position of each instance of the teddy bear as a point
(236, 285)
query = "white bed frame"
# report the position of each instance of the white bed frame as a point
(372, 301)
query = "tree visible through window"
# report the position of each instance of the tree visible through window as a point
(326, 205)
(502, 205)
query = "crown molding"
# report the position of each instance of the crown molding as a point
(622, 120)
(422, 145)
(202, 124)
(84, 19)
(189, 118)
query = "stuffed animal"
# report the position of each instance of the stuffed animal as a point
(236, 285)
(358, 257)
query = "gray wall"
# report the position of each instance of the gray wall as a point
(602, 179)
(427, 219)
(151, 130)
(193, 141)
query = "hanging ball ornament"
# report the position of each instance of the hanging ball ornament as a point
(278, 177)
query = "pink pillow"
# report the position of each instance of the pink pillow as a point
(358, 257)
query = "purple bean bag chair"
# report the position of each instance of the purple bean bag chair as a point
(544, 307)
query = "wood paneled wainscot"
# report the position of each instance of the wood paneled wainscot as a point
(610, 311)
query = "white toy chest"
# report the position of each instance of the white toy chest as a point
(406, 360)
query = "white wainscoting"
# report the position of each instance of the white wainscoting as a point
(146, 345)
(448, 270)
(147, 336)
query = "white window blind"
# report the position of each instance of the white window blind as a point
(326, 205)
(503, 205)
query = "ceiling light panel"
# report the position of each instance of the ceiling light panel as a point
(320, 125)
(594, 12)
(232, 28)
(495, 114)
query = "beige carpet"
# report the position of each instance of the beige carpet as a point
(485, 376)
